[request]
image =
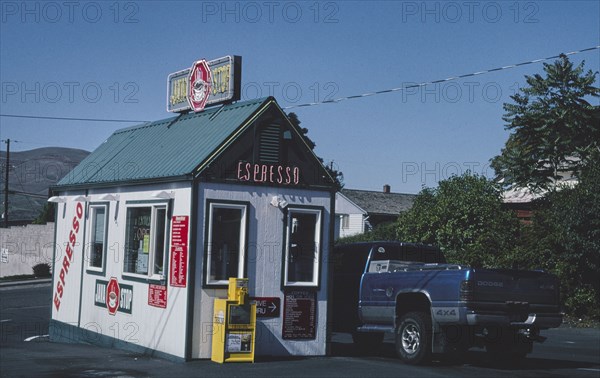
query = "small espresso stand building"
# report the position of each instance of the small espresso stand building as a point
(152, 224)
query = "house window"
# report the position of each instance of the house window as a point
(345, 221)
(226, 242)
(303, 247)
(97, 245)
(145, 240)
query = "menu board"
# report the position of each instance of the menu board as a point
(300, 315)
(179, 250)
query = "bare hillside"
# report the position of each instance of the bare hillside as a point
(31, 173)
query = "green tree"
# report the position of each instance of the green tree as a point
(565, 239)
(554, 129)
(385, 231)
(46, 214)
(336, 174)
(464, 216)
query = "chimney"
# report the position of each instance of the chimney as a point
(387, 188)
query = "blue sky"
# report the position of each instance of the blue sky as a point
(111, 60)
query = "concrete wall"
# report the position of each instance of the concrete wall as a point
(22, 247)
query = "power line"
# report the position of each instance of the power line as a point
(336, 100)
(71, 118)
(26, 194)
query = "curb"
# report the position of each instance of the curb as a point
(26, 282)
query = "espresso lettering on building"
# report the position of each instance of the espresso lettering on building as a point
(268, 173)
(68, 258)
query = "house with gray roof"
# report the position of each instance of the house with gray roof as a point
(359, 211)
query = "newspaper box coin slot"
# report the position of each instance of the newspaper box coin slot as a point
(234, 325)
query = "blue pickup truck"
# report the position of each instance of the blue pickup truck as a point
(433, 307)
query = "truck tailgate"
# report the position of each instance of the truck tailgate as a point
(514, 287)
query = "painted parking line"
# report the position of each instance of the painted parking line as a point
(595, 370)
(25, 308)
(5, 320)
(35, 337)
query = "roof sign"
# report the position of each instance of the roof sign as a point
(199, 85)
(205, 83)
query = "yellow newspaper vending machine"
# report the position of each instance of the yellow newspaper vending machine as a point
(234, 325)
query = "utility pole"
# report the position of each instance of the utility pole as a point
(6, 184)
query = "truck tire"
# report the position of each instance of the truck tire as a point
(413, 338)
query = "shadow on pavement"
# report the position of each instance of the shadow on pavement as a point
(476, 358)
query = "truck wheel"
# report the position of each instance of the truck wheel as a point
(367, 341)
(413, 338)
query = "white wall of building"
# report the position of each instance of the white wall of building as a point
(161, 329)
(355, 223)
(264, 266)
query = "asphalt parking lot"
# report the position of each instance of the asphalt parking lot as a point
(26, 352)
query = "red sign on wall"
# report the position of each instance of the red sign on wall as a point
(113, 294)
(179, 250)
(157, 295)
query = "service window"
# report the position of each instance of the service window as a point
(303, 247)
(96, 248)
(226, 242)
(145, 241)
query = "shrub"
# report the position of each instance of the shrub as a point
(41, 270)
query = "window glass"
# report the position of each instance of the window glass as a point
(98, 239)
(303, 249)
(346, 221)
(137, 245)
(226, 242)
(159, 244)
(145, 240)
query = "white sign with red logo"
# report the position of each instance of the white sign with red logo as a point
(200, 82)
(218, 80)
(113, 294)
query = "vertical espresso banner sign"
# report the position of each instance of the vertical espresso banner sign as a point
(179, 251)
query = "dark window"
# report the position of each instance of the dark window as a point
(98, 237)
(303, 247)
(226, 243)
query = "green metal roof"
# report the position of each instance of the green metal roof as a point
(170, 148)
